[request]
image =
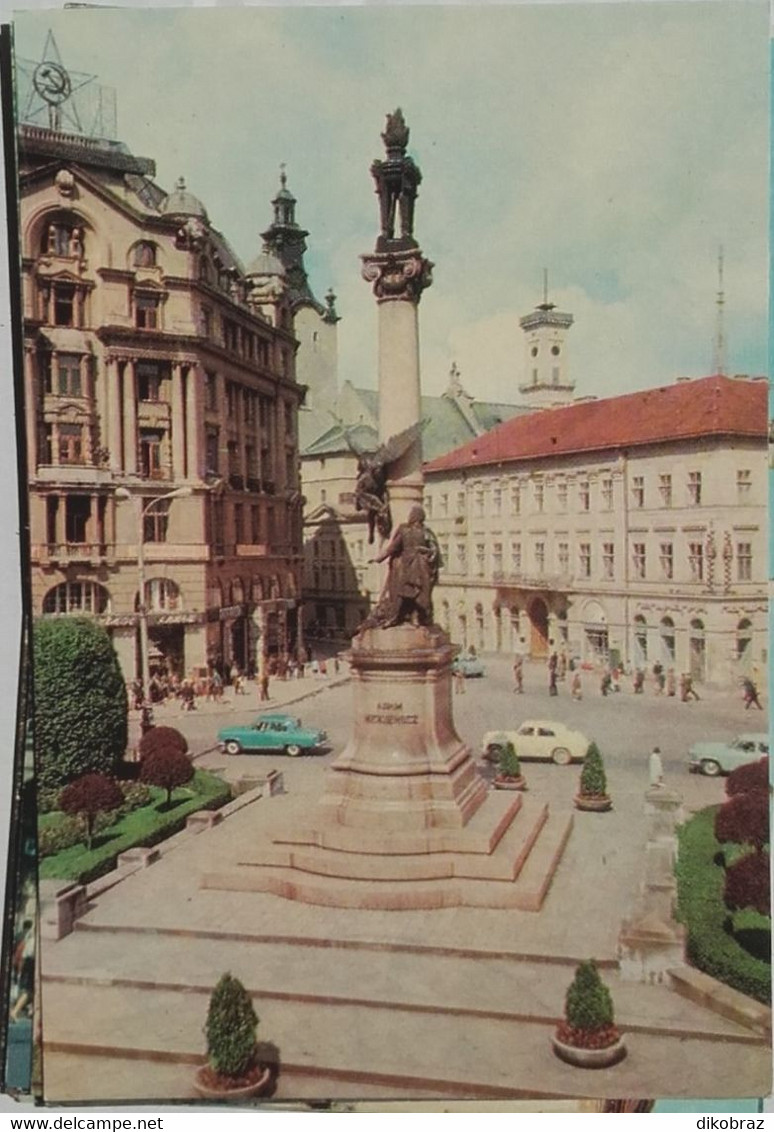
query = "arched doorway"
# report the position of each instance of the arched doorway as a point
(667, 632)
(538, 622)
(640, 641)
(744, 635)
(697, 659)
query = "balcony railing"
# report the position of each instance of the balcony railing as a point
(70, 551)
(532, 581)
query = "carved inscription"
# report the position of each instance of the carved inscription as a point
(388, 712)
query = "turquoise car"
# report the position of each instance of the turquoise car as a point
(273, 731)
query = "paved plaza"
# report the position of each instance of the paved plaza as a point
(444, 1004)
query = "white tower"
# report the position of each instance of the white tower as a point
(546, 374)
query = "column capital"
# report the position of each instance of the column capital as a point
(397, 276)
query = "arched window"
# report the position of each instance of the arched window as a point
(144, 254)
(76, 597)
(744, 633)
(237, 592)
(62, 235)
(214, 595)
(640, 640)
(162, 595)
(257, 590)
(667, 631)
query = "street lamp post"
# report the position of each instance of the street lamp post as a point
(140, 514)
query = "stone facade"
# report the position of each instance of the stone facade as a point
(156, 365)
(621, 535)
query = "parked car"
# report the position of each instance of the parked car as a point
(539, 739)
(722, 758)
(468, 666)
(273, 731)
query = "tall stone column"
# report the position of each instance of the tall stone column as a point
(130, 418)
(113, 405)
(31, 417)
(178, 416)
(399, 274)
(195, 421)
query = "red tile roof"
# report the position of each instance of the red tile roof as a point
(687, 410)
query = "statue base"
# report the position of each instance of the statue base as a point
(406, 821)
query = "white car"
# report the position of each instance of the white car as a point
(538, 739)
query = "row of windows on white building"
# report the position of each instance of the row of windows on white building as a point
(162, 595)
(534, 493)
(688, 561)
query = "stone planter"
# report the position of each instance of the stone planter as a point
(501, 783)
(596, 804)
(590, 1058)
(234, 1095)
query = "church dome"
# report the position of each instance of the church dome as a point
(182, 203)
(266, 264)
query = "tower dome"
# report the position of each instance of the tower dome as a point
(181, 202)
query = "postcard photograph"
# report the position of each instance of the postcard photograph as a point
(395, 428)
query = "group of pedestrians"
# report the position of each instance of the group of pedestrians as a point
(665, 682)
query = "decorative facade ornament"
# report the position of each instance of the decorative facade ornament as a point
(401, 277)
(65, 183)
(728, 555)
(710, 552)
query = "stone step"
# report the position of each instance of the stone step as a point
(492, 890)
(368, 1042)
(725, 1001)
(504, 863)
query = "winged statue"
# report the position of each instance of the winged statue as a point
(373, 471)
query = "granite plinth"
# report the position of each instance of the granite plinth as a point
(405, 820)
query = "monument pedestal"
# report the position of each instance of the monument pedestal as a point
(406, 821)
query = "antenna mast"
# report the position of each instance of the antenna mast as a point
(719, 361)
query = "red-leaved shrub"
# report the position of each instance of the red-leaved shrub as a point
(166, 768)
(162, 739)
(751, 776)
(747, 884)
(744, 819)
(88, 796)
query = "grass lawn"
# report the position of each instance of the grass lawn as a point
(146, 826)
(732, 948)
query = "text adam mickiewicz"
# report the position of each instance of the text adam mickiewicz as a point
(390, 713)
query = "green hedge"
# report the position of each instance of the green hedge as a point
(700, 880)
(143, 827)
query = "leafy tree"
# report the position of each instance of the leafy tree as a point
(80, 701)
(593, 781)
(747, 884)
(509, 765)
(162, 739)
(167, 768)
(88, 796)
(230, 1029)
(751, 776)
(744, 819)
(588, 1004)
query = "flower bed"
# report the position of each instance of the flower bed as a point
(143, 827)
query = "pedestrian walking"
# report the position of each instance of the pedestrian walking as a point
(562, 669)
(575, 686)
(750, 694)
(687, 690)
(606, 682)
(658, 677)
(553, 665)
(671, 683)
(656, 768)
(639, 681)
(264, 685)
(518, 675)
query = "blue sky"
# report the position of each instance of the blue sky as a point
(618, 145)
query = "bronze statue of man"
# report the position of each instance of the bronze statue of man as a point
(414, 560)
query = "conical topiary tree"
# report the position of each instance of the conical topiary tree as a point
(508, 764)
(593, 781)
(588, 1011)
(230, 1029)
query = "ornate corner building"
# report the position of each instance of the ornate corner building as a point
(161, 405)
